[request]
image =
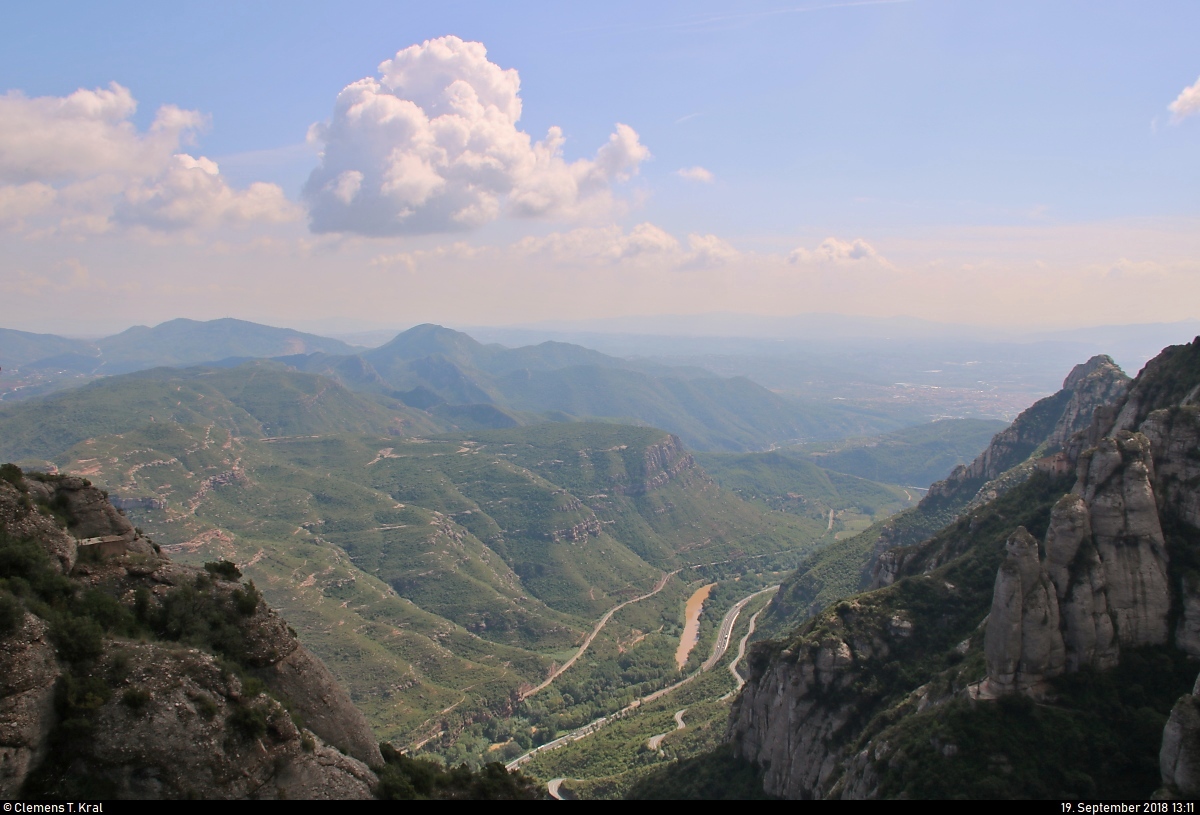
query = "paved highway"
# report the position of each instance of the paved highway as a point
(727, 624)
(591, 727)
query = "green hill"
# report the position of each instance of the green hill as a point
(188, 342)
(256, 399)
(437, 575)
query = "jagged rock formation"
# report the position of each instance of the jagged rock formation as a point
(1024, 644)
(1044, 428)
(828, 713)
(1015, 453)
(662, 462)
(1102, 583)
(163, 719)
(199, 734)
(1179, 759)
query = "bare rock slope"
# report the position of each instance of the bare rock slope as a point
(125, 675)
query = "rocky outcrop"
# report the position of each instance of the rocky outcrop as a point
(1045, 427)
(21, 521)
(801, 710)
(1179, 759)
(782, 721)
(1038, 440)
(1102, 581)
(1024, 644)
(577, 532)
(1095, 384)
(661, 463)
(178, 726)
(304, 680)
(165, 720)
(1114, 482)
(141, 502)
(1100, 585)
(28, 673)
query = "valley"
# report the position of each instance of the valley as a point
(551, 595)
(477, 591)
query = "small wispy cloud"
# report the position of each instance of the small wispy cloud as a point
(695, 174)
(1186, 104)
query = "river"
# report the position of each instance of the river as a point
(691, 627)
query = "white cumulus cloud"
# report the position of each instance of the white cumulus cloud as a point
(833, 250)
(78, 161)
(695, 174)
(1187, 103)
(432, 145)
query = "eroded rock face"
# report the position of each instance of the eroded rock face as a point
(177, 726)
(800, 710)
(1024, 645)
(662, 462)
(326, 707)
(22, 520)
(28, 671)
(1114, 482)
(1179, 759)
(92, 516)
(1097, 584)
(176, 723)
(1048, 424)
(1094, 384)
(1101, 583)
(1174, 436)
(786, 727)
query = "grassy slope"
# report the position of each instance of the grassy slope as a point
(428, 580)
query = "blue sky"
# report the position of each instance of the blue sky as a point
(979, 155)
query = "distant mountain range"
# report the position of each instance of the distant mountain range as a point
(448, 380)
(177, 342)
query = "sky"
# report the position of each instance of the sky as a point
(371, 165)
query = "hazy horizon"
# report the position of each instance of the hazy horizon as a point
(1001, 165)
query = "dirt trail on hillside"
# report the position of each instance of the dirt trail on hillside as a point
(600, 625)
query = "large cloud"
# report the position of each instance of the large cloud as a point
(432, 145)
(79, 161)
(1187, 103)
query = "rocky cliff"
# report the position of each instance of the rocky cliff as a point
(661, 463)
(125, 675)
(1072, 579)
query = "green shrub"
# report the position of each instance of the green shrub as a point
(223, 569)
(13, 475)
(141, 604)
(247, 599)
(12, 614)
(249, 721)
(135, 698)
(405, 778)
(206, 707)
(79, 639)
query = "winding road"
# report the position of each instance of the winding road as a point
(679, 725)
(719, 648)
(603, 621)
